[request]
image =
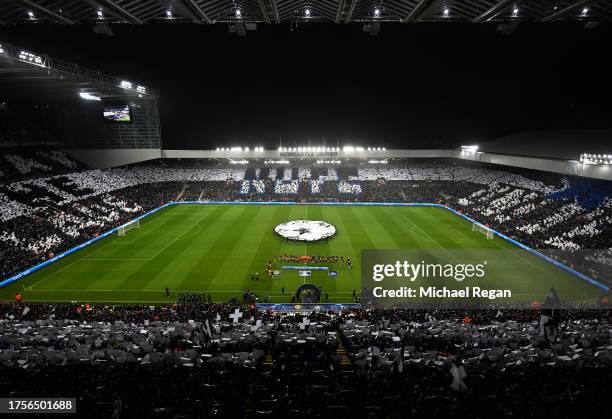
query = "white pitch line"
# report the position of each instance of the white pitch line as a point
(178, 237)
(156, 254)
(56, 272)
(434, 240)
(89, 254)
(527, 257)
(99, 259)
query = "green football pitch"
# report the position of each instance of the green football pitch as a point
(213, 249)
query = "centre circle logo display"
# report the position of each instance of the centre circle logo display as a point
(305, 230)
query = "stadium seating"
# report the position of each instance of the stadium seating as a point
(49, 202)
(363, 363)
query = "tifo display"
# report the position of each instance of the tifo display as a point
(305, 230)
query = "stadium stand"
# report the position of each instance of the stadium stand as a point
(361, 363)
(49, 203)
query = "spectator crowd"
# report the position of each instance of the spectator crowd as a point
(49, 203)
(194, 359)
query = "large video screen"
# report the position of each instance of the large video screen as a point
(117, 113)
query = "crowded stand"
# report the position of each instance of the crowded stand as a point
(18, 162)
(236, 361)
(44, 215)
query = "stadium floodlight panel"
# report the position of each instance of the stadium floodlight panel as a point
(236, 149)
(585, 11)
(28, 57)
(100, 14)
(31, 14)
(169, 14)
(348, 149)
(125, 84)
(239, 162)
(307, 12)
(472, 148)
(141, 89)
(603, 159)
(515, 11)
(89, 96)
(238, 13)
(376, 12)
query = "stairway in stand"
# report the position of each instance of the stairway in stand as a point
(345, 361)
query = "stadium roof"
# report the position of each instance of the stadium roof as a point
(556, 144)
(276, 11)
(25, 73)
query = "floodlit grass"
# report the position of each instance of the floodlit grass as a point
(214, 248)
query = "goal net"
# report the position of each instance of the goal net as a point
(484, 230)
(121, 231)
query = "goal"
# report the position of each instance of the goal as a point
(122, 230)
(484, 230)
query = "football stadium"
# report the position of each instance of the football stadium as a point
(296, 209)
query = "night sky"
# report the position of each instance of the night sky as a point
(418, 85)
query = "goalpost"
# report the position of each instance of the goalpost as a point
(121, 231)
(484, 230)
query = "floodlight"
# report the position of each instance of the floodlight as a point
(376, 12)
(238, 13)
(89, 96)
(125, 84)
(446, 12)
(31, 14)
(515, 12)
(31, 58)
(307, 12)
(100, 14)
(585, 11)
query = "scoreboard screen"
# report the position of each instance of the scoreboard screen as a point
(117, 113)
